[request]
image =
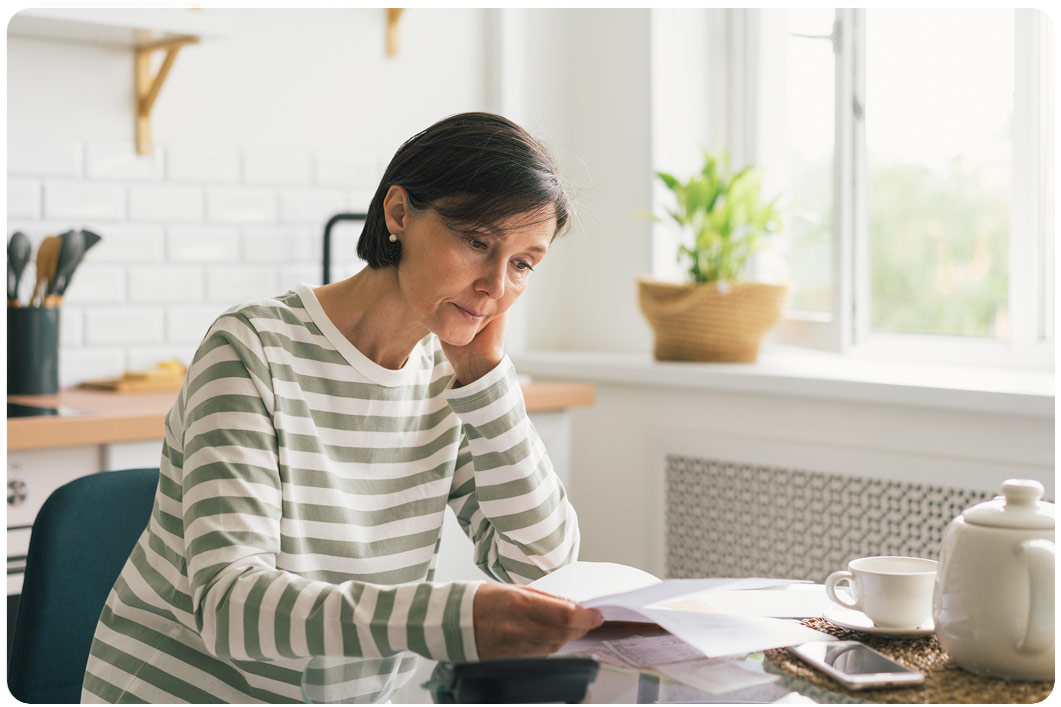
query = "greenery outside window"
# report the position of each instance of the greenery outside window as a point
(916, 148)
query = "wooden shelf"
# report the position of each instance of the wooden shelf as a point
(115, 27)
(143, 31)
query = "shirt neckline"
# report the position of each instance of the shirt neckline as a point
(359, 361)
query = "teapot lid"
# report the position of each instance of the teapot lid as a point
(1018, 507)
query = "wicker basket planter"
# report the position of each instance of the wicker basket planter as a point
(700, 323)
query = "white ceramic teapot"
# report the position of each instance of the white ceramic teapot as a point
(993, 603)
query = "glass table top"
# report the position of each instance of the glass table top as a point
(333, 680)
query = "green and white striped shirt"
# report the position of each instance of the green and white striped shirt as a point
(298, 514)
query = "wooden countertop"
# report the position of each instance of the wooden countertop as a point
(133, 417)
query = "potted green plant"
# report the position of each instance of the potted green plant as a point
(716, 316)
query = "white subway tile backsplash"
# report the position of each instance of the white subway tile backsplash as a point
(188, 232)
(360, 199)
(165, 283)
(77, 365)
(311, 206)
(23, 198)
(93, 283)
(120, 160)
(280, 244)
(202, 164)
(346, 168)
(127, 243)
(36, 230)
(291, 275)
(83, 201)
(235, 284)
(142, 358)
(45, 158)
(241, 205)
(71, 325)
(202, 244)
(342, 269)
(110, 326)
(276, 166)
(189, 323)
(166, 203)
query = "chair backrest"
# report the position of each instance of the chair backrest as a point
(81, 539)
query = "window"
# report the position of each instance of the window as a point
(915, 151)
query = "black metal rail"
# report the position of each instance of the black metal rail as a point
(328, 240)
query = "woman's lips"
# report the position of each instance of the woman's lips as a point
(470, 316)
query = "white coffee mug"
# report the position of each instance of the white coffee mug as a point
(894, 592)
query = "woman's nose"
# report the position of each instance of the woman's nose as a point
(492, 280)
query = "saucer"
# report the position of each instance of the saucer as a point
(857, 621)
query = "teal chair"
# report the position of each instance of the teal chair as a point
(81, 539)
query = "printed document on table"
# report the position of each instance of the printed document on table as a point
(640, 595)
(619, 592)
(717, 635)
(719, 675)
(796, 601)
(652, 651)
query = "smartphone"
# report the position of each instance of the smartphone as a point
(855, 665)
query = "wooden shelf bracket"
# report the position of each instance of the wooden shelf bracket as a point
(148, 86)
(393, 14)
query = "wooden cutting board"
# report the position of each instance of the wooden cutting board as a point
(143, 385)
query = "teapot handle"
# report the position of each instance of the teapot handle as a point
(1040, 632)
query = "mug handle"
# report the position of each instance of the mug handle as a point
(830, 588)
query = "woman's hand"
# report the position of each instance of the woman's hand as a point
(519, 622)
(480, 355)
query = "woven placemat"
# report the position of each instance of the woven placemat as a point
(945, 683)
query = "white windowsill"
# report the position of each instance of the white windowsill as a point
(790, 371)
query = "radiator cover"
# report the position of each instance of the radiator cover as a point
(732, 519)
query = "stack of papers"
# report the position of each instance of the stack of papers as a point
(716, 617)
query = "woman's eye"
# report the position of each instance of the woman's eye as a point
(524, 266)
(477, 244)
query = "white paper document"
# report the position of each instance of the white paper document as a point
(719, 675)
(796, 601)
(651, 651)
(623, 593)
(620, 592)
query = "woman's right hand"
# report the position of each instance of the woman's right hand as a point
(520, 622)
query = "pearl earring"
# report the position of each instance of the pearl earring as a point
(394, 238)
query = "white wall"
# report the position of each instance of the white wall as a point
(586, 74)
(261, 134)
(620, 443)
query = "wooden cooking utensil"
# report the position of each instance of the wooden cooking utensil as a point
(47, 260)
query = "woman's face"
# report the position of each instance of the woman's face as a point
(458, 282)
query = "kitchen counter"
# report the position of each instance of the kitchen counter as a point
(109, 418)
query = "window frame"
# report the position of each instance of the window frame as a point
(846, 329)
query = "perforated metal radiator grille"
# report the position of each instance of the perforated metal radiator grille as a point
(727, 519)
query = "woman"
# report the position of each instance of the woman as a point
(319, 436)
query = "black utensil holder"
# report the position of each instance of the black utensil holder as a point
(32, 350)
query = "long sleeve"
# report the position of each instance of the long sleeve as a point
(505, 494)
(235, 505)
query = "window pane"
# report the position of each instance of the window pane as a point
(797, 144)
(939, 103)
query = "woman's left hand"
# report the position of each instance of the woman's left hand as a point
(480, 355)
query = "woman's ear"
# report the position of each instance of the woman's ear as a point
(396, 209)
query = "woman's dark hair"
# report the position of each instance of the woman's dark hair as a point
(475, 170)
